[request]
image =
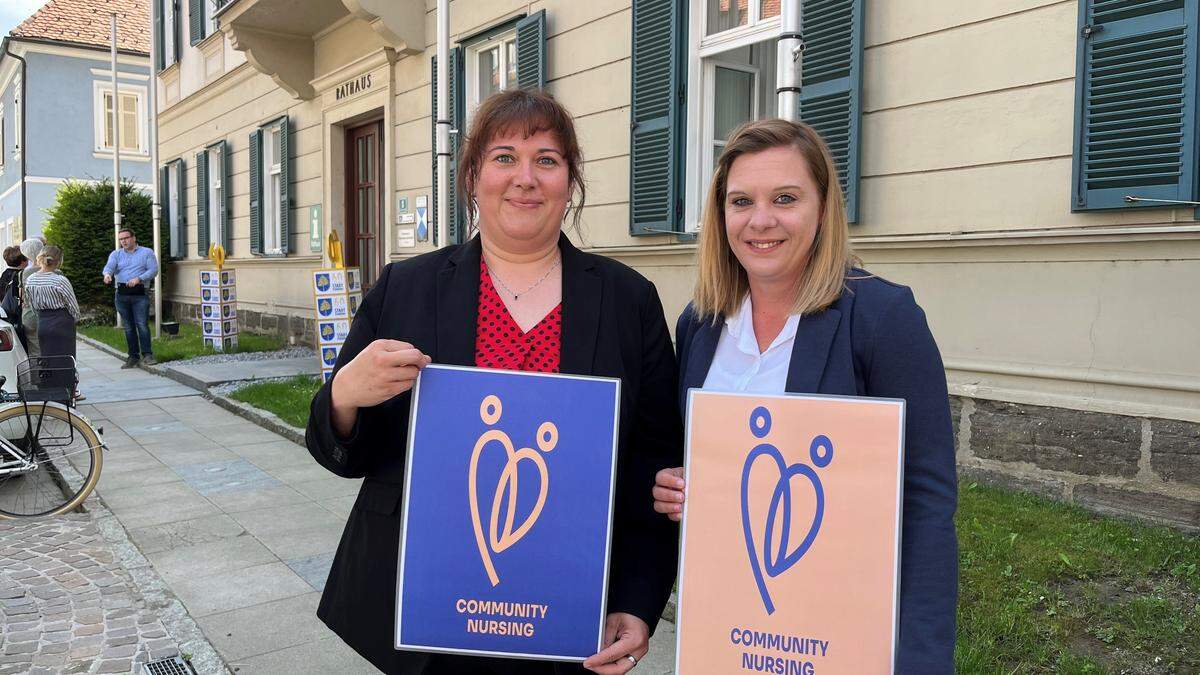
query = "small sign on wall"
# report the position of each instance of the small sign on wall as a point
(315, 228)
(406, 237)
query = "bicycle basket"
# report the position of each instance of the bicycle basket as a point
(47, 378)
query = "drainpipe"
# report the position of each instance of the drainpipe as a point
(24, 150)
(443, 121)
(788, 76)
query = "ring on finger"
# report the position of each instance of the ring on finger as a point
(632, 659)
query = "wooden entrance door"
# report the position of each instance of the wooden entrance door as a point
(364, 199)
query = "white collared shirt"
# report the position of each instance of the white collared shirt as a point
(737, 364)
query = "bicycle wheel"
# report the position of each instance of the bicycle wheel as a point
(67, 452)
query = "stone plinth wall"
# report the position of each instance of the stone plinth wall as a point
(1131, 466)
(301, 330)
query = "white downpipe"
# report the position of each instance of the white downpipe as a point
(788, 76)
(155, 206)
(443, 121)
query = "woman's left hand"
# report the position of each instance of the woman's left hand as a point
(626, 635)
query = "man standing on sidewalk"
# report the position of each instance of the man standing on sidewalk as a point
(132, 266)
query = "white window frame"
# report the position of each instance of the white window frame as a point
(170, 23)
(216, 197)
(174, 224)
(471, 69)
(272, 174)
(210, 17)
(3, 138)
(703, 56)
(100, 89)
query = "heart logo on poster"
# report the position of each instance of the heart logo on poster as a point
(500, 538)
(778, 557)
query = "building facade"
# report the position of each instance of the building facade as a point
(1000, 158)
(56, 101)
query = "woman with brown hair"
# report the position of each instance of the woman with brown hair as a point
(518, 295)
(780, 306)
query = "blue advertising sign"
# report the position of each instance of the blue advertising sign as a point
(489, 569)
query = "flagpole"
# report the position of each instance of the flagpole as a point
(116, 139)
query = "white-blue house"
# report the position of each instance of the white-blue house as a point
(56, 105)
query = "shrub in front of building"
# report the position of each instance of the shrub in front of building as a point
(81, 223)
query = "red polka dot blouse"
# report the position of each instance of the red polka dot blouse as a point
(499, 342)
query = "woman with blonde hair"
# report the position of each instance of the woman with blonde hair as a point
(52, 295)
(780, 306)
(30, 248)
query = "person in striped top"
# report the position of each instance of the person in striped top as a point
(52, 295)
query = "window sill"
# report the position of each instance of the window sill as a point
(131, 156)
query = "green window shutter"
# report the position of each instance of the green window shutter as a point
(531, 51)
(1135, 103)
(226, 203)
(455, 95)
(196, 20)
(285, 186)
(159, 9)
(202, 203)
(657, 117)
(164, 205)
(179, 233)
(831, 96)
(256, 193)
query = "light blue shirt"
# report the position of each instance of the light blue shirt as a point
(125, 266)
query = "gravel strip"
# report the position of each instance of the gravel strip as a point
(227, 388)
(300, 352)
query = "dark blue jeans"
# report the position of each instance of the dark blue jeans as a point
(135, 315)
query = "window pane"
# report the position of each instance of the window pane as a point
(732, 100)
(489, 73)
(726, 14)
(769, 8)
(129, 123)
(511, 55)
(108, 120)
(370, 159)
(271, 233)
(362, 159)
(274, 147)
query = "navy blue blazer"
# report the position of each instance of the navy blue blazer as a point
(874, 341)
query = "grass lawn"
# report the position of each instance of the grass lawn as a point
(1051, 588)
(1044, 587)
(287, 398)
(183, 346)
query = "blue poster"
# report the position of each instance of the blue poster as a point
(508, 504)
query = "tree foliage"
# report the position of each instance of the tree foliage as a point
(80, 223)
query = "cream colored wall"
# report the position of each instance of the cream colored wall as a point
(230, 110)
(198, 65)
(966, 162)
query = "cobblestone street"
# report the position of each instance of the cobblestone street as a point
(69, 604)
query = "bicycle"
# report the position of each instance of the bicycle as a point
(50, 455)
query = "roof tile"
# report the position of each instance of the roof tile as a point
(86, 22)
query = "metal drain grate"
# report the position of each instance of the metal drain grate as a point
(171, 666)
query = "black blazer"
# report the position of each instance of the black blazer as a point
(874, 341)
(613, 326)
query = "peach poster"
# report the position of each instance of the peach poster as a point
(791, 535)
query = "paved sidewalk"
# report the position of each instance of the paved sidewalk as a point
(239, 523)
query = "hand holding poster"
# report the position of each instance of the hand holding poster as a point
(791, 535)
(507, 514)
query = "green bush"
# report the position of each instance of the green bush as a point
(80, 222)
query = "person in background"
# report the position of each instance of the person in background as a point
(131, 266)
(52, 295)
(10, 278)
(30, 248)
